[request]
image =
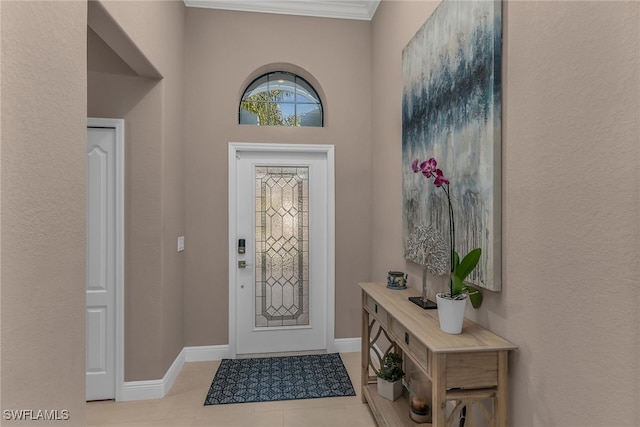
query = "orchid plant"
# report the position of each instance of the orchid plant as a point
(459, 269)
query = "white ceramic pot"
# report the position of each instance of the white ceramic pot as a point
(390, 390)
(451, 313)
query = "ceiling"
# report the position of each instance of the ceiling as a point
(343, 9)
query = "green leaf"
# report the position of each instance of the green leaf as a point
(458, 285)
(468, 263)
(475, 296)
(391, 369)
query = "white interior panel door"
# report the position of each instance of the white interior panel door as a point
(101, 258)
(281, 279)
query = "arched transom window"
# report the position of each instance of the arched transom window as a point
(280, 99)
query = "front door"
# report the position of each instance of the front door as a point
(282, 268)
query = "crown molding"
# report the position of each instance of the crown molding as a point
(343, 9)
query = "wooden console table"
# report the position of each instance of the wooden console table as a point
(463, 369)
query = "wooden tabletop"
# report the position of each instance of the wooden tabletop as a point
(425, 326)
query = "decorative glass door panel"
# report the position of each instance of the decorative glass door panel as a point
(282, 246)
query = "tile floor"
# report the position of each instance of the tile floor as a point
(183, 406)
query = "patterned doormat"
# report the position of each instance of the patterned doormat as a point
(279, 378)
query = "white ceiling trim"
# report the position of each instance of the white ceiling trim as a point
(344, 9)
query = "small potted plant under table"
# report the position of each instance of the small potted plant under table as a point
(390, 377)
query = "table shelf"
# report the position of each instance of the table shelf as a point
(388, 413)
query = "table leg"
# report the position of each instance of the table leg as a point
(439, 409)
(364, 349)
(501, 396)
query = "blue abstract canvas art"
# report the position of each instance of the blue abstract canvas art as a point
(451, 111)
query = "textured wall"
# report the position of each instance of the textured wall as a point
(224, 49)
(571, 202)
(43, 197)
(154, 173)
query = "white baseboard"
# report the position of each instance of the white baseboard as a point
(206, 353)
(347, 345)
(142, 390)
(157, 389)
(153, 389)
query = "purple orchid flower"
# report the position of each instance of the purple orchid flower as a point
(440, 179)
(428, 167)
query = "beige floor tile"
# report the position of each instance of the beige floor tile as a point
(241, 419)
(346, 416)
(194, 376)
(186, 422)
(121, 412)
(328, 402)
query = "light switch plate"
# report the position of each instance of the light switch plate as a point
(180, 243)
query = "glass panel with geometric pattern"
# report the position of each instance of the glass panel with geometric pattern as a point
(280, 99)
(282, 246)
